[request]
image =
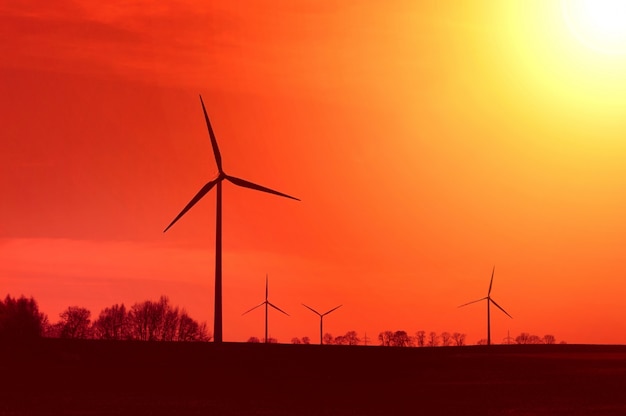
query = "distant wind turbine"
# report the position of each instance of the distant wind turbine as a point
(489, 302)
(217, 182)
(321, 315)
(266, 303)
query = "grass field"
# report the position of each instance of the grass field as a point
(135, 378)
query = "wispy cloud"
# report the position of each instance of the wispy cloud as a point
(135, 39)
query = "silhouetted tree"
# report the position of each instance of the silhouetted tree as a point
(352, 338)
(52, 330)
(522, 338)
(446, 339)
(296, 340)
(75, 322)
(20, 319)
(526, 338)
(549, 339)
(112, 323)
(254, 340)
(400, 339)
(190, 330)
(433, 339)
(271, 340)
(482, 341)
(459, 339)
(328, 339)
(420, 338)
(149, 321)
(306, 340)
(340, 340)
(385, 338)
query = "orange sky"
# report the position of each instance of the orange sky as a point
(427, 143)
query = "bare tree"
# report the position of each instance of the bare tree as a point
(188, 329)
(549, 339)
(170, 322)
(420, 338)
(523, 338)
(150, 321)
(75, 322)
(446, 339)
(254, 340)
(271, 340)
(433, 339)
(328, 338)
(352, 338)
(112, 323)
(401, 339)
(385, 338)
(535, 339)
(459, 339)
(340, 340)
(482, 341)
(296, 340)
(306, 340)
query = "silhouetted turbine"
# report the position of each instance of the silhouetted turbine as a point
(266, 303)
(217, 182)
(321, 315)
(489, 301)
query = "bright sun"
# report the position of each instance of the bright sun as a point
(599, 24)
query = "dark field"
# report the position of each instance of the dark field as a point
(134, 378)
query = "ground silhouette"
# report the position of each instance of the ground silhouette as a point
(98, 377)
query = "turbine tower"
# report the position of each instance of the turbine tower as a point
(217, 182)
(266, 303)
(489, 302)
(321, 315)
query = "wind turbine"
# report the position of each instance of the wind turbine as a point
(266, 303)
(489, 302)
(321, 315)
(217, 182)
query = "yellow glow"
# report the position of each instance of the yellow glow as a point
(599, 24)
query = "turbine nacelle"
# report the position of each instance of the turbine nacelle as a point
(221, 176)
(321, 315)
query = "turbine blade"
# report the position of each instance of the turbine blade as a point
(500, 307)
(247, 184)
(216, 150)
(491, 283)
(250, 310)
(474, 301)
(312, 309)
(206, 188)
(277, 308)
(336, 307)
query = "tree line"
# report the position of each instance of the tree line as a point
(144, 321)
(421, 338)
(20, 318)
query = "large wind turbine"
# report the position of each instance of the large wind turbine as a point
(217, 182)
(266, 303)
(489, 302)
(321, 315)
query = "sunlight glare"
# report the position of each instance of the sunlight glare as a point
(599, 24)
